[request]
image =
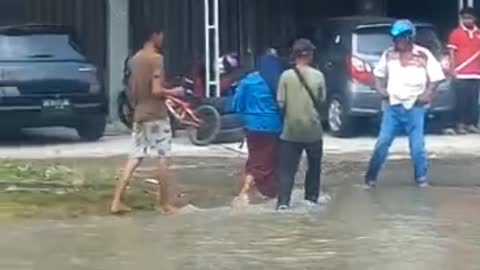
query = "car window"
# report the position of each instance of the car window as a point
(375, 40)
(372, 41)
(38, 46)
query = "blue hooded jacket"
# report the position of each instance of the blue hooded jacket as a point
(255, 98)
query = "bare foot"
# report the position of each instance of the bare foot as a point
(167, 210)
(241, 201)
(256, 195)
(120, 209)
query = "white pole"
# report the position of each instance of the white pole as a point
(207, 47)
(460, 5)
(118, 32)
(216, 23)
(470, 3)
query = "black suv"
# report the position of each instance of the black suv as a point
(349, 48)
(46, 81)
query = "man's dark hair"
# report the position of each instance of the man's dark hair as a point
(149, 30)
(302, 47)
(468, 11)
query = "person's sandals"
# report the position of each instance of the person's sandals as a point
(283, 208)
(369, 184)
(423, 185)
(473, 129)
(449, 131)
(462, 131)
(423, 182)
(324, 198)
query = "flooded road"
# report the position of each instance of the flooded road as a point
(396, 226)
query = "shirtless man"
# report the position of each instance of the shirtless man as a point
(152, 134)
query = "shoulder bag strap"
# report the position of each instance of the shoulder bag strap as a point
(307, 87)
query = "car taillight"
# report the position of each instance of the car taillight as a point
(92, 78)
(360, 71)
(95, 87)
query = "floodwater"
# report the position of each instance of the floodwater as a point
(396, 226)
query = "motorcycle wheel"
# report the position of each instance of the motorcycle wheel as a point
(206, 133)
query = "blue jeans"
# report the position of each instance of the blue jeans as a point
(396, 119)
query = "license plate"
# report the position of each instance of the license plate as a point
(56, 104)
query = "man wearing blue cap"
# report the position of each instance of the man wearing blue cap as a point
(406, 78)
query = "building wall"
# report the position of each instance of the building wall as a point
(182, 21)
(245, 26)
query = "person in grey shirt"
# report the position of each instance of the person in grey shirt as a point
(301, 90)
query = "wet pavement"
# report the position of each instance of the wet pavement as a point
(396, 226)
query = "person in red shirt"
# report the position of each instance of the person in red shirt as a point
(464, 46)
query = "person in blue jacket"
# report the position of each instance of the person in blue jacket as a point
(255, 100)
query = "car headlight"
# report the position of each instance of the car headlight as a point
(9, 91)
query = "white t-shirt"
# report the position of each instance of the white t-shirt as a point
(406, 81)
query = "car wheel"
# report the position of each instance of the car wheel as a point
(92, 129)
(231, 121)
(230, 136)
(339, 122)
